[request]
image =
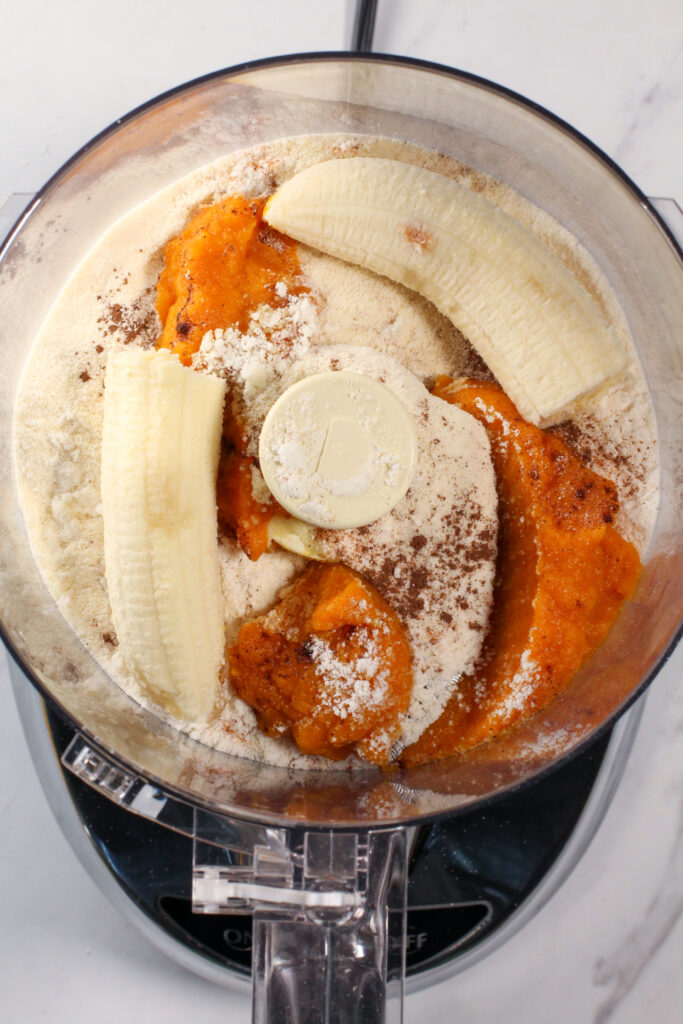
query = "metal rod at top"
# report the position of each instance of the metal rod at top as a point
(363, 26)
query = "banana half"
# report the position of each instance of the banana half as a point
(538, 330)
(160, 447)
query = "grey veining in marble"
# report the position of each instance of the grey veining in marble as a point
(618, 971)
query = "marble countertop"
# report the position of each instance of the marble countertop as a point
(608, 946)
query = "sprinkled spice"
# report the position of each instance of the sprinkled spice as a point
(135, 322)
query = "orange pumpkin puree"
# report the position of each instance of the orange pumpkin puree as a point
(217, 271)
(330, 663)
(238, 509)
(563, 573)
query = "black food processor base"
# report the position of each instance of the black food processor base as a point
(467, 876)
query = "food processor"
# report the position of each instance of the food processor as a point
(329, 887)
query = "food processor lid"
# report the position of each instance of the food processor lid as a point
(433, 107)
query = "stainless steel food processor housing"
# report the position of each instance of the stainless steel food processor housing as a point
(487, 128)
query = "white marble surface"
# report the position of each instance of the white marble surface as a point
(608, 946)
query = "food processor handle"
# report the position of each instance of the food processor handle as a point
(339, 954)
(329, 918)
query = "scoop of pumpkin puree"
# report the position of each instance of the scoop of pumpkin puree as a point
(563, 573)
(330, 663)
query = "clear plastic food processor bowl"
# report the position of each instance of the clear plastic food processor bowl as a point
(320, 856)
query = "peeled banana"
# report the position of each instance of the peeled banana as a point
(160, 447)
(528, 317)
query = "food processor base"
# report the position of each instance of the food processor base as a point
(474, 879)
